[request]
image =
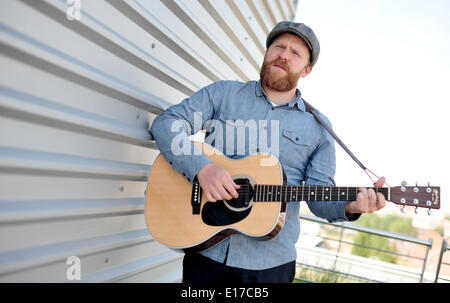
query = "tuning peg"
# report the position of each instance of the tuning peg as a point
(428, 187)
(416, 210)
(403, 209)
(429, 211)
(403, 187)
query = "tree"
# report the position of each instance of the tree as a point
(390, 223)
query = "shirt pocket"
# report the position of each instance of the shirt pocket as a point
(296, 137)
(296, 148)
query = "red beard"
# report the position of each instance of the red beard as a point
(274, 79)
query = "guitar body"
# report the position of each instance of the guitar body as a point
(169, 211)
(178, 215)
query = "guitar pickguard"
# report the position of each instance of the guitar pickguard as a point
(223, 213)
(218, 214)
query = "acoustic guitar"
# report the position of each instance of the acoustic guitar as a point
(178, 215)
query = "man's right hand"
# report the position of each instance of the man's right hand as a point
(217, 183)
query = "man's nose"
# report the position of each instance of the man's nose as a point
(284, 54)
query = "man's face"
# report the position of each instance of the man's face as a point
(285, 61)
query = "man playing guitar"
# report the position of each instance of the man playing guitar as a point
(306, 153)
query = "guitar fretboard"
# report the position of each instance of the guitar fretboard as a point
(288, 193)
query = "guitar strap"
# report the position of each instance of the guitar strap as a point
(313, 111)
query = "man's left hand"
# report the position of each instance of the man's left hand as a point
(367, 200)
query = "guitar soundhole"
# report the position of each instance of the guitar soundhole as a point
(220, 214)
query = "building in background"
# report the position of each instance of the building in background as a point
(80, 83)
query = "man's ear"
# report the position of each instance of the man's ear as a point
(306, 71)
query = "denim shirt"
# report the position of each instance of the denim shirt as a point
(304, 148)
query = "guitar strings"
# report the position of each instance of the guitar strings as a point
(294, 189)
(317, 188)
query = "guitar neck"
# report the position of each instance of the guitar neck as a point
(288, 193)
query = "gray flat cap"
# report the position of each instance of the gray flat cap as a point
(301, 30)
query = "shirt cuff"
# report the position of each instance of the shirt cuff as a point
(341, 216)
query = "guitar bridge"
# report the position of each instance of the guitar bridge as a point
(196, 197)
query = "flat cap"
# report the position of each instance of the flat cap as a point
(301, 30)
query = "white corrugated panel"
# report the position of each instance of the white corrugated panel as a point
(77, 97)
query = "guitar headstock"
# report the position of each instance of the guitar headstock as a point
(417, 196)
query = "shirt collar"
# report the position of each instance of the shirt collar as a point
(297, 102)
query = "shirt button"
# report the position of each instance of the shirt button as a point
(273, 108)
(257, 150)
(296, 139)
(184, 174)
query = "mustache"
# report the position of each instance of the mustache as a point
(280, 63)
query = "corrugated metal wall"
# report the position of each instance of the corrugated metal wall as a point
(79, 87)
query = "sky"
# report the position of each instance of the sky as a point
(383, 79)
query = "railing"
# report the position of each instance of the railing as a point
(444, 248)
(345, 226)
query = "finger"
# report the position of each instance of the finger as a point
(232, 182)
(217, 195)
(231, 189)
(372, 196)
(372, 200)
(362, 200)
(381, 201)
(235, 186)
(209, 197)
(380, 182)
(363, 192)
(224, 195)
(222, 186)
(213, 193)
(360, 197)
(360, 205)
